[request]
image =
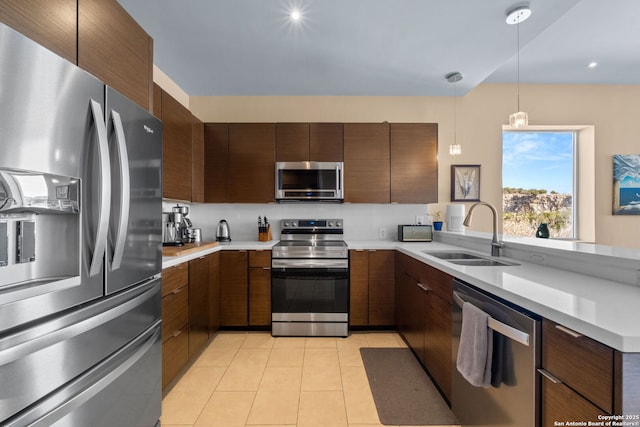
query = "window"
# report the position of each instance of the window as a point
(539, 182)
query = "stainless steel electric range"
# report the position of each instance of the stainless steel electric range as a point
(310, 279)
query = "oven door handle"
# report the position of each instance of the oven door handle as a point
(308, 263)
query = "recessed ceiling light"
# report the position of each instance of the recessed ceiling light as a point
(592, 64)
(295, 15)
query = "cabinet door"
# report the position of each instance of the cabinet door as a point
(114, 48)
(234, 293)
(560, 403)
(326, 142)
(414, 162)
(437, 341)
(197, 160)
(260, 296)
(589, 370)
(52, 23)
(259, 288)
(175, 313)
(214, 292)
(417, 320)
(381, 288)
(252, 162)
(198, 304)
(292, 142)
(216, 163)
(358, 288)
(401, 294)
(175, 355)
(176, 149)
(366, 158)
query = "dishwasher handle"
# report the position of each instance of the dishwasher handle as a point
(501, 328)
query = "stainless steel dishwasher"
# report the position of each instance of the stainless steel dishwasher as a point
(513, 398)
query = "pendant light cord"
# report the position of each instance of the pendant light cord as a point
(518, 50)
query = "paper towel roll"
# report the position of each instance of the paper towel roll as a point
(455, 217)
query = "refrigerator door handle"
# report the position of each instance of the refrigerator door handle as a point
(125, 192)
(105, 190)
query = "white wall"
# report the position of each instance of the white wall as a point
(611, 109)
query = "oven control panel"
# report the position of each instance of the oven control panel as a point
(317, 224)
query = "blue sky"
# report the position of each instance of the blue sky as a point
(540, 160)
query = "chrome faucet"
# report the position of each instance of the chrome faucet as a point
(495, 244)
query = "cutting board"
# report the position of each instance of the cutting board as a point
(187, 249)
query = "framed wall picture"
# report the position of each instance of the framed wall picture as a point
(465, 183)
(626, 184)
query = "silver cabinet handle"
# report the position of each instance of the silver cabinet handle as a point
(176, 333)
(125, 192)
(105, 190)
(549, 376)
(568, 331)
(424, 287)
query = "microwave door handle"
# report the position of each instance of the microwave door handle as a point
(105, 190)
(338, 178)
(125, 192)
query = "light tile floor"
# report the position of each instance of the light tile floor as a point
(253, 379)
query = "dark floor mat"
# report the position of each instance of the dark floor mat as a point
(402, 391)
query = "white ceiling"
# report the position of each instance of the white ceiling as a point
(386, 47)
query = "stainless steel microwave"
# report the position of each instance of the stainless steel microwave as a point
(310, 182)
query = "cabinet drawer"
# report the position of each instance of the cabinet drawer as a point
(175, 355)
(439, 282)
(259, 258)
(175, 312)
(581, 363)
(560, 403)
(174, 278)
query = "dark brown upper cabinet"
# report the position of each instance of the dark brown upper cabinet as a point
(52, 23)
(115, 49)
(326, 142)
(177, 149)
(318, 142)
(292, 142)
(197, 160)
(216, 162)
(366, 163)
(252, 148)
(414, 166)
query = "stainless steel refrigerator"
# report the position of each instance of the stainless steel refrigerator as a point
(80, 246)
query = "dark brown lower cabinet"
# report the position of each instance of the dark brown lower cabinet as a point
(424, 320)
(214, 292)
(372, 288)
(358, 288)
(259, 288)
(382, 305)
(437, 341)
(198, 304)
(234, 288)
(175, 321)
(561, 404)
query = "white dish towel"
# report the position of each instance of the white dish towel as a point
(476, 346)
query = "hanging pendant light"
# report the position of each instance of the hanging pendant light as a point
(454, 149)
(515, 16)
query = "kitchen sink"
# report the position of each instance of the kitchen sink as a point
(466, 258)
(485, 262)
(453, 255)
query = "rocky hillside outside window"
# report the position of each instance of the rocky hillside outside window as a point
(538, 180)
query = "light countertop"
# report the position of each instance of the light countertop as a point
(605, 310)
